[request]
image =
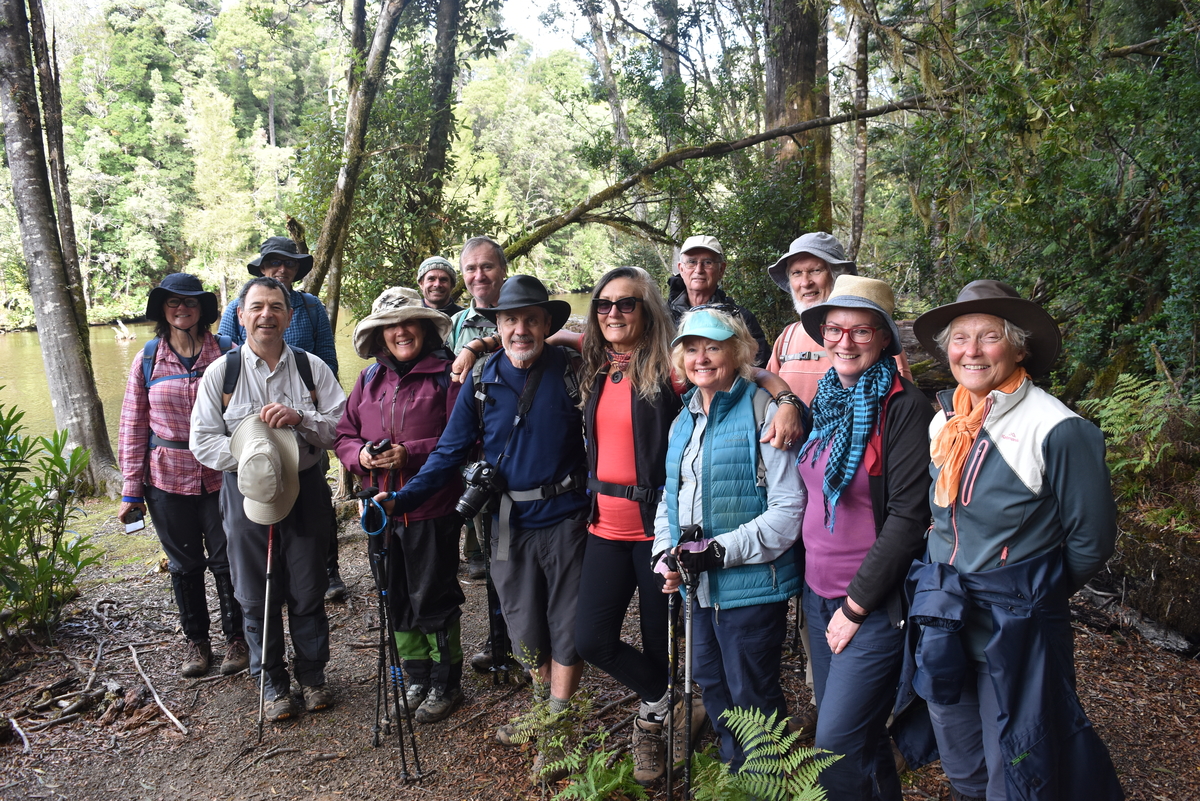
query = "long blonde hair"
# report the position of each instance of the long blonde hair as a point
(650, 365)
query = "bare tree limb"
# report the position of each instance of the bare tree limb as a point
(522, 245)
(154, 692)
(1145, 48)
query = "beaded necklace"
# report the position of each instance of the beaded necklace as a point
(618, 363)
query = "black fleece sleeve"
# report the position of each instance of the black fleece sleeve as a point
(905, 494)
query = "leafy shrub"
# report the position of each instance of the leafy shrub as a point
(1147, 424)
(39, 557)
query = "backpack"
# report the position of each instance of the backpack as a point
(151, 348)
(233, 371)
(570, 380)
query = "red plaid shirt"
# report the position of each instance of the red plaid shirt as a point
(167, 409)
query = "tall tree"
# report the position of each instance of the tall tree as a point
(797, 91)
(62, 334)
(858, 189)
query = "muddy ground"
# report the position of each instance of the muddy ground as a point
(1143, 701)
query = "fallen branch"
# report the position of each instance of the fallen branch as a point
(273, 752)
(27, 749)
(154, 692)
(52, 723)
(622, 724)
(95, 665)
(619, 702)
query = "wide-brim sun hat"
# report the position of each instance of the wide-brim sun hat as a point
(855, 292)
(284, 247)
(704, 323)
(393, 306)
(519, 291)
(998, 299)
(187, 286)
(820, 244)
(268, 473)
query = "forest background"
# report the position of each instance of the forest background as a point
(1049, 143)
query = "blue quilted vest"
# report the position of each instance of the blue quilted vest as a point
(730, 495)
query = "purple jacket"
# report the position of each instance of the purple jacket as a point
(411, 411)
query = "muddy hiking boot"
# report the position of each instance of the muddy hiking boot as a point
(281, 708)
(317, 697)
(438, 704)
(649, 751)
(237, 658)
(196, 659)
(337, 587)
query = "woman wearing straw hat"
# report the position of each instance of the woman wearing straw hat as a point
(864, 466)
(1023, 516)
(396, 413)
(161, 475)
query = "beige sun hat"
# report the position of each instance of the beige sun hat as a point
(268, 473)
(856, 292)
(394, 306)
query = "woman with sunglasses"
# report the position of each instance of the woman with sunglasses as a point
(630, 399)
(161, 475)
(865, 467)
(396, 413)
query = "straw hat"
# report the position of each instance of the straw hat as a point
(394, 306)
(855, 292)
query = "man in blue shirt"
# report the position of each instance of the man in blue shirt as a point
(279, 258)
(538, 536)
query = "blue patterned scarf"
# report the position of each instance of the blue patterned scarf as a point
(843, 419)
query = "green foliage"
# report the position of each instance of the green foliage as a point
(1147, 425)
(39, 557)
(775, 768)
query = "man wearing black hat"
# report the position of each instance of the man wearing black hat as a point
(538, 534)
(279, 258)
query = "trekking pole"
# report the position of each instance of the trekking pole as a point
(691, 581)
(262, 660)
(673, 662)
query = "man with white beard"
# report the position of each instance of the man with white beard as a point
(807, 271)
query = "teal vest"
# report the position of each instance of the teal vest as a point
(730, 495)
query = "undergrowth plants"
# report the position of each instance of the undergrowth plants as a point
(40, 557)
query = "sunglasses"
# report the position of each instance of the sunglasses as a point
(624, 305)
(277, 262)
(175, 303)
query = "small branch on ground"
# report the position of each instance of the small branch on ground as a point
(154, 692)
(27, 749)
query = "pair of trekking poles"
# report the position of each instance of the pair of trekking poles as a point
(690, 582)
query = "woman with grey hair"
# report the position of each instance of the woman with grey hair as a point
(733, 501)
(1023, 516)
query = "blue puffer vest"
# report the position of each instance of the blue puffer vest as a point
(730, 495)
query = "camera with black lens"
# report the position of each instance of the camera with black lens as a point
(483, 481)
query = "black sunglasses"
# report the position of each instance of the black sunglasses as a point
(624, 305)
(724, 308)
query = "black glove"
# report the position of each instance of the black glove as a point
(696, 562)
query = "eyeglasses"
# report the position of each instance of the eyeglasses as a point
(815, 272)
(724, 308)
(859, 334)
(278, 262)
(624, 305)
(708, 264)
(175, 303)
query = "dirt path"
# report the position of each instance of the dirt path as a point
(1144, 703)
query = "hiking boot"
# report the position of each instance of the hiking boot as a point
(955, 795)
(317, 697)
(237, 658)
(476, 569)
(281, 708)
(196, 659)
(548, 756)
(679, 747)
(482, 661)
(337, 587)
(438, 705)
(416, 696)
(519, 730)
(649, 751)
(804, 723)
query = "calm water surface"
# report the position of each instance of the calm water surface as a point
(23, 376)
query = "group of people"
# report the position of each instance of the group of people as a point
(932, 554)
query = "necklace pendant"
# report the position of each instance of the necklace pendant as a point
(617, 375)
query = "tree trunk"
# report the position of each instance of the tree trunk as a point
(620, 127)
(52, 110)
(858, 193)
(73, 394)
(795, 52)
(444, 68)
(271, 116)
(667, 12)
(332, 238)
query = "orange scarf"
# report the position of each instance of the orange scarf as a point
(950, 447)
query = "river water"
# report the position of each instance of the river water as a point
(23, 376)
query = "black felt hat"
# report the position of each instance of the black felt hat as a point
(285, 247)
(520, 291)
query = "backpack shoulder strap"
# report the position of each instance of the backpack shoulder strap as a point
(148, 352)
(481, 396)
(233, 371)
(225, 343)
(761, 400)
(571, 374)
(311, 305)
(304, 368)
